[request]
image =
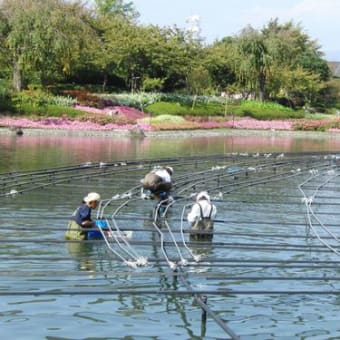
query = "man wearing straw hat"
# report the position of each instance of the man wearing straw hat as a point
(81, 218)
(201, 217)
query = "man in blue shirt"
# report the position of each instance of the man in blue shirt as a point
(81, 218)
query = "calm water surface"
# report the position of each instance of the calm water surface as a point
(34, 152)
(29, 262)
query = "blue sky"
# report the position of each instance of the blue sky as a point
(320, 19)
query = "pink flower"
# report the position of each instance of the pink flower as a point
(126, 111)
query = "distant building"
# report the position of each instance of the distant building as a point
(335, 68)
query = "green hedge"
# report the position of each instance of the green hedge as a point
(257, 110)
(266, 110)
(172, 108)
(49, 110)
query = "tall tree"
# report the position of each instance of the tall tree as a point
(116, 8)
(45, 38)
(135, 53)
(266, 59)
(253, 62)
(218, 60)
(296, 60)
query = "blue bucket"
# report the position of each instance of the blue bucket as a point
(94, 234)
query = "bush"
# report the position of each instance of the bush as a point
(103, 120)
(174, 126)
(163, 119)
(49, 110)
(140, 100)
(37, 100)
(266, 111)
(309, 125)
(317, 125)
(166, 108)
(4, 88)
(85, 98)
(200, 109)
(137, 100)
(255, 109)
(6, 105)
(152, 84)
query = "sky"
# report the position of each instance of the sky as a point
(320, 19)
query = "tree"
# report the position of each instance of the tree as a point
(218, 60)
(146, 52)
(45, 38)
(252, 61)
(262, 57)
(299, 83)
(296, 61)
(199, 80)
(116, 8)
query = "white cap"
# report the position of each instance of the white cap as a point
(92, 196)
(169, 169)
(203, 195)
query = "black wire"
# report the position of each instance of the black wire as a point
(224, 292)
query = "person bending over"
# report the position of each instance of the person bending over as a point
(158, 182)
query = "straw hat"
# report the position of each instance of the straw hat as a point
(92, 196)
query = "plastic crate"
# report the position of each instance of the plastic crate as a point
(96, 234)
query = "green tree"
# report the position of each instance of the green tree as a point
(218, 60)
(136, 53)
(265, 61)
(45, 38)
(252, 61)
(116, 8)
(296, 62)
(111, 18)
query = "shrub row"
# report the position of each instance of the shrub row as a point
(254, 109)
(85, 98)
(141, 100)
(48, 110)
(317, 125)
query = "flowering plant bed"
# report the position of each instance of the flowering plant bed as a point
(128, 118)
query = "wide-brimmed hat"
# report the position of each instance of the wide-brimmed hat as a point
(92, 196)
(203, 195)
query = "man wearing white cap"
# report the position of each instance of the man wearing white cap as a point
(81, 218)
(201, 216)
(158, 182)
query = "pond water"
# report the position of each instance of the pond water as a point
(52, 289)
(33, 152)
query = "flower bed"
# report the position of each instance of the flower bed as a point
(126, 111)
(148, 125)
(65, 124)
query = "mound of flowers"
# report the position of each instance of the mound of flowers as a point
(109, 118)
(67, 124)
(239, 123)
(130, 119)
(251, 123)
(112, 111)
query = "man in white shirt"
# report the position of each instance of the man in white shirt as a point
(201, 217)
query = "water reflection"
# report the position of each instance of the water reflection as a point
(32, 152)
(81, 252)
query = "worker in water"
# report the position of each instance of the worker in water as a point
(201, 217)
(81, 218)
(157, 184)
